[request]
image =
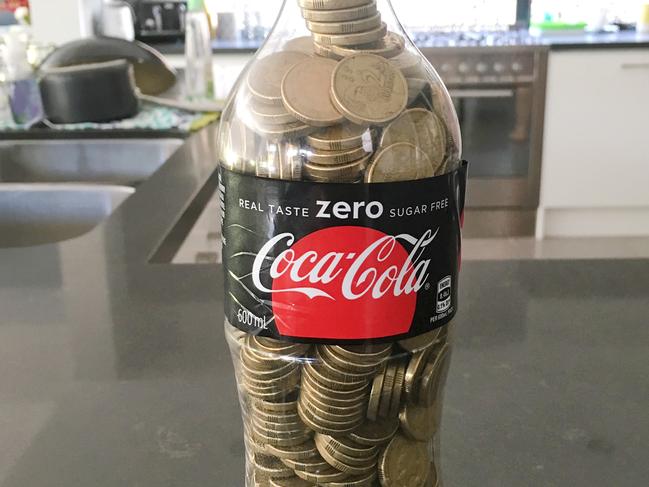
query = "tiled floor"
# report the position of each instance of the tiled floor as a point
(203, 245)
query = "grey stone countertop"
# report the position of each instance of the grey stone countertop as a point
(115, 371)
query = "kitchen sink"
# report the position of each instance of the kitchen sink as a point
(123, 162)
(34, 214)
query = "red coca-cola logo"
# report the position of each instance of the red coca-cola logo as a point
(345, 283)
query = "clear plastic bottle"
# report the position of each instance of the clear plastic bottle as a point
(342, 187)
(20, 81)
(199, 77)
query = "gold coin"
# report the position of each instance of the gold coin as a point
(413, 374)
(321, 376)
(418, 423)
(340, 15)
(397, 389)
(421, 128)
(367, 89)
(290, 162)
(386, 391)
(324, 476)
(345, 27)
(265, 76)
(289, 130)
(326, 427)
(281, 382)
(340, 137)
(404, 462)
(325, 51)
(409, 63)
(375, 396)
(390, 46)
(343, 363)
(432, 377)
(348, 462)
(263, 373)
(399, 162)
(342, 416)
(278, 347)
(421, 342)
(291, 417)
(314, 463)
(271, 466)
(336, 173)
(300, 44)
(348, 447)
(292, 428)
(341, 466)
(330, 158)
(332, 387)
(330, 4)
(330, 396)
(265, 439)
(264, 431)
(290, 482)
(335, 411)
(305, 92)
(355, 39)
(270, 114)
(278, 407)
(296, 452)
(338, 369)
(375, 433)
(367, 353)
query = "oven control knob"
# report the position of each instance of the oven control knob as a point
(499, 67)
(481, 68)
(446, 68)
(517, 67)
(464, 68)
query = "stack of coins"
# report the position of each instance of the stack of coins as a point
(327, 107)
(341, 415)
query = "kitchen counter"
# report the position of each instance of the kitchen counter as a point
(115, 370)
(580, 40)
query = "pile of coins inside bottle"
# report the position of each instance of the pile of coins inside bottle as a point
(341, 416)
(350, 102)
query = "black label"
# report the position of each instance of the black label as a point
(341, 262)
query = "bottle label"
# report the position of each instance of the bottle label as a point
(341, 263)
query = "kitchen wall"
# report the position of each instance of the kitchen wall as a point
(60, 21)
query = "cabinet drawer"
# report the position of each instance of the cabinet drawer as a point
(596, 144)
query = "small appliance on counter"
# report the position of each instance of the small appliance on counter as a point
(118, 20)
(159, 19)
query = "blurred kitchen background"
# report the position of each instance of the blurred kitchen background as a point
(552, 97)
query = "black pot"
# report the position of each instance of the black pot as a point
(97, 92)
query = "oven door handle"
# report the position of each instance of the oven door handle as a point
(482, 93)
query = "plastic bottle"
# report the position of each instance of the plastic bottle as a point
(199, 77)
(22, 85)
(342, 188)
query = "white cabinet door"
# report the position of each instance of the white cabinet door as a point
(596, 145)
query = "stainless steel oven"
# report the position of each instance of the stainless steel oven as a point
(499, 94)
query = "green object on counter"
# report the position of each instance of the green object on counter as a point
(552, 26)
(195, 6)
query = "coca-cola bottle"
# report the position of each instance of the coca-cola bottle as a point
(342, 187)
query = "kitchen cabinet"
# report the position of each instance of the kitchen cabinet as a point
(595, 178)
